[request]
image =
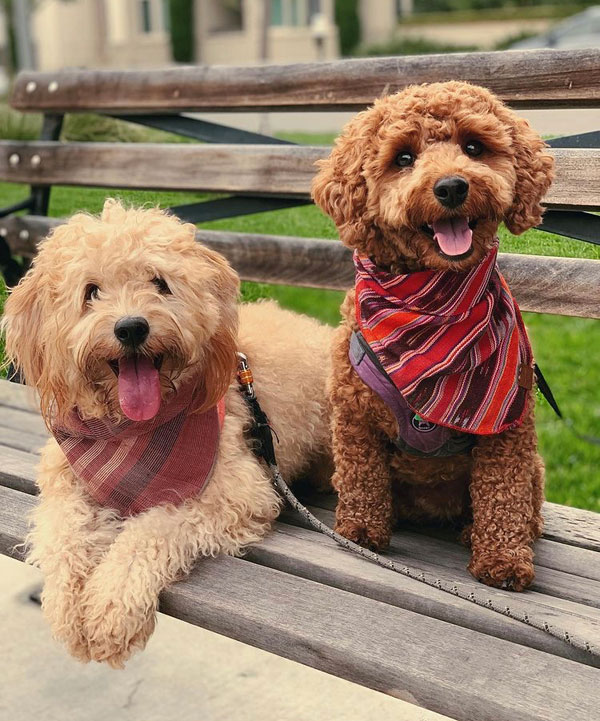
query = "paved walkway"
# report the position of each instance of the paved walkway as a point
(185, 674)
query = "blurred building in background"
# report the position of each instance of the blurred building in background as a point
(151, 33)
(235, 32)
(136, 33)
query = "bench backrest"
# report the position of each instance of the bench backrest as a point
(263, 173)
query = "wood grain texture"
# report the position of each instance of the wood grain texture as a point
(18, 470)
(14, 395)
(556, 550)
(576, 526)
(449, 559)
(440, 666)
(313, 556)
(20, 440)
(282, 170)
(22, 420)
(528, 79)
(542, 284)
(573, 526)
(263, 169)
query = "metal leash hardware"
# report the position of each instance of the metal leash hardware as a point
(262, 432)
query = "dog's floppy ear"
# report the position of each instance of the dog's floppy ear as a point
(22, 323)
(535, 172)
(220, 360)
(339, 188)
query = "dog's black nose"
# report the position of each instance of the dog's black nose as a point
(451, 191)
(132, 331)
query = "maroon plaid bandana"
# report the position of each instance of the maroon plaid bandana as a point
(132, 466)
(453, 343)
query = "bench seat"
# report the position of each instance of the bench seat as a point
(299, 595)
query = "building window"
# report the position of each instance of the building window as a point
(146, 16)
(276, 12)
(290, 12)
(166, 17)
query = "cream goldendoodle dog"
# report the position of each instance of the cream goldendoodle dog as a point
(128, 330)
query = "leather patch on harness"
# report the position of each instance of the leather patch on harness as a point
(526, 376)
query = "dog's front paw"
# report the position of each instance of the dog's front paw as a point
(62, 610)
(369, 535)
(117, 622)
(511, 569)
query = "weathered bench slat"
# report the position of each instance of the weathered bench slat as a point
(23, 420)
(435, 555)
(285, 170)
(14, 395)
(553, 554)
(18, 469)
(543, 78)
(305, 553)
(310, 555)
(542, 284)
(19, 440)
(565, 524)
(572, 525)
(444, 667)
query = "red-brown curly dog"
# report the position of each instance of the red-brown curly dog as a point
(400, 170)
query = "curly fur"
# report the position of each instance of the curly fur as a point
(380, 209)
(103, 574)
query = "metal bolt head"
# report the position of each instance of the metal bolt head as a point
(30, 87)
(24, 234)
(53, 87)
(14, 159)
(35, 160)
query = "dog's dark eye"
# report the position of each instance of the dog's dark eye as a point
(405, 159)
(473, 148)
(162, 285)
(91, 292)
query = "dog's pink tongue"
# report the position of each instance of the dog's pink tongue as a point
(139, 388)
(453, 235)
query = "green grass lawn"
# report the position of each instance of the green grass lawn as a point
(566, 348)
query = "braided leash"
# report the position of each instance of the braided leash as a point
(261, 434)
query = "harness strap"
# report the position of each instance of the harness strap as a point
(261, 433)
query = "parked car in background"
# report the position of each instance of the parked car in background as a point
(578, 31)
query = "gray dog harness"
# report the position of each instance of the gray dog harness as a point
(415, 435)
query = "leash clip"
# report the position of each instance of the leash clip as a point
(244, 376)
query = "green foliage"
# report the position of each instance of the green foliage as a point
(416, 46)
(515, 38)
(502, 8)
(347, 20)
(101, 129)
(17, 126)
(181, 20)
(11, 49)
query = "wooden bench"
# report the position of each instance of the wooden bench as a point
(297, 594)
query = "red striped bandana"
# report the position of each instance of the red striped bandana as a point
(132, 466)
(453, 343)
